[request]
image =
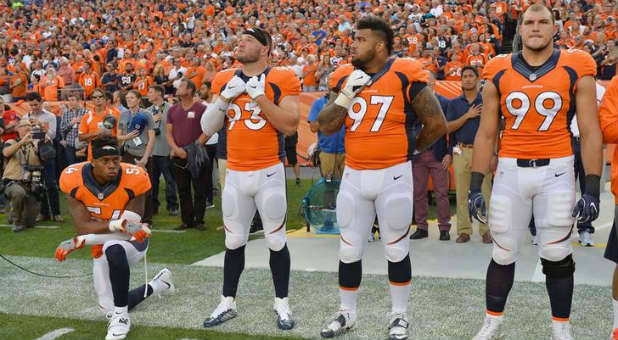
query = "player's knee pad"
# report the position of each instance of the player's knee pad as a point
(397, 251)
(346, 208)
(503, 256)
(398, 211)
(558, 269)
(500, 214)
(276, 241)
(556, 251)
(349, 254)
(234, 240)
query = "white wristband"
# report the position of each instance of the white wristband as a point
(343, 101)
(127, 215)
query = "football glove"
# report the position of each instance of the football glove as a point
(476, 206)
(355, 82)
(587, 208)
(255, 86)
(234, 88)
(66, 247)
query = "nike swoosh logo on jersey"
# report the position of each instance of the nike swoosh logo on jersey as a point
(268, 175)
(397, 177)
(559, 174)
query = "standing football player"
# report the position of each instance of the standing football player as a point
(538, 90)
(381, 99)
(258, 105)
(106, 201)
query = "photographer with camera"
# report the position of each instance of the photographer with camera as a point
(44, 131)
(22, 176)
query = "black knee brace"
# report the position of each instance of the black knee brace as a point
(558, 269)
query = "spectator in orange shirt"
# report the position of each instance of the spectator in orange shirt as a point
(310, 83)
(142, 84)
(89, 80)
(475, 58)
(66, 72)
(18, 83)
(50, 84)
(195, 73)
(452, 69)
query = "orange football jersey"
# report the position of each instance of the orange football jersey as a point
(108, 202)
(538, 105)
(380, 120)
(252, 142)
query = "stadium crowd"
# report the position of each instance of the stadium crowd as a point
(119, 45)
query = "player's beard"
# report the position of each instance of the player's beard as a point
(248, 58)
(361, 62)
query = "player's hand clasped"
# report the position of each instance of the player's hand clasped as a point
(356, 80)
(139, 231)
(587, 208)
(476, 202)
(68, 246)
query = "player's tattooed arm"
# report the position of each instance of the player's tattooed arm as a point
(332, 116)
(82, 221)
(428, 110)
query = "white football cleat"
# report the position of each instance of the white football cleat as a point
(343, 321)
(225, 311)
(561, 331)
(284, 314)
(585, 239)
(162, 283)
(118, 327)
(491, 330)
(398, 326)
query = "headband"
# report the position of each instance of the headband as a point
(257, 34)
(105, 150)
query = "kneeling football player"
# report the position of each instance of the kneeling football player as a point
(106, 201)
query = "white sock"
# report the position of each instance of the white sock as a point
(348, 299)
(121, 310)
(494, 315)
(615, 304)
(399, 297)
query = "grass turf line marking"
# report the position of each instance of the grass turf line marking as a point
(37, 226)
(55, 334)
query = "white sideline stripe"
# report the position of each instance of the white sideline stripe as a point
(37, 227)
(55, 334)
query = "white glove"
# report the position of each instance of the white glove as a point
(255, 86)
(68, 246)
(234, 88)
(356, 80)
